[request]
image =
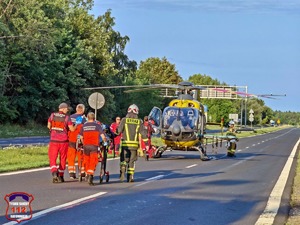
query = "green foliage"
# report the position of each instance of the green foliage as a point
(158, 71)
(51, 49)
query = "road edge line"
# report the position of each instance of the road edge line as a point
(273, 204)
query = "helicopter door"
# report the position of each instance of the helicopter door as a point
(155, 116)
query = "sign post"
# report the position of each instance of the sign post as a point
(251, 117)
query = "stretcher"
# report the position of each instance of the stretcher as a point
(102, 159)
(150, 152)
(79, 148)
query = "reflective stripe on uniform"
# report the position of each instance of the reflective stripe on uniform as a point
(52, 167)
(91, 172)
(130, 171)
(134, 122)
(130, 143)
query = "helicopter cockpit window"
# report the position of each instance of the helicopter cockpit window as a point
(155, 116)
(189, 118)
(169, 116)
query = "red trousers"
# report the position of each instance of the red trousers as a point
(58, 150)
(72, 154)
(145, 143)
(90, 159)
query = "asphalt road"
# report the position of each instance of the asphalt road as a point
(23, 141)
(176, 189)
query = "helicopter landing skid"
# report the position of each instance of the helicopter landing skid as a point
(159, 151)
(203, 155)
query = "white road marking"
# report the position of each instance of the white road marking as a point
(191, 166)
(35, 170)
(24, 171)
(268, 216)
(155, 178)
(68, 204)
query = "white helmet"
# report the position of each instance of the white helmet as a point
(133, 108)
(231, 122)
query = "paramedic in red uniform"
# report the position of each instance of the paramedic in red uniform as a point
(146, 133)
(59, 124)
(115, 145)
(90, 136)
(130, 128)
(72, 151)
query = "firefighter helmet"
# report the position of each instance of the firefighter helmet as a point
(133, 108)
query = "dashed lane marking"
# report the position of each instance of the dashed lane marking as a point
(191, 166)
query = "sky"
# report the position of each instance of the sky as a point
(253, 43)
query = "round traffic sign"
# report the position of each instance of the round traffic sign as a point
(96, 100)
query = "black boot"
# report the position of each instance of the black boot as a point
(90, 180)
(54, 177)
(61, 179)
(73, 176)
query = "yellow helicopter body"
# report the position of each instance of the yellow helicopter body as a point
(181, 125)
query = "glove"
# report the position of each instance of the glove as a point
(78, 136)
(78, 120)
(105, 143)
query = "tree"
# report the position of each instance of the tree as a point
(158, 71)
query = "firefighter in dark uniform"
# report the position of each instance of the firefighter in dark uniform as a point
(232, 142)
(130, 127)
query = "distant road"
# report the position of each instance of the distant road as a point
(23, 141)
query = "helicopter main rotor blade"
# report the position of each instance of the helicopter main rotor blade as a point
(111, 87)
(142, 89)
(247, 95)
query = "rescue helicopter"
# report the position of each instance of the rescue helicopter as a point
(181, 125)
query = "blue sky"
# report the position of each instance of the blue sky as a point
(240, 42)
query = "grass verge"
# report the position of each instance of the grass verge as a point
(13, 159)
(294, 216)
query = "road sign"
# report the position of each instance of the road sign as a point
(234, 117)
(96, 100)
(251, 111)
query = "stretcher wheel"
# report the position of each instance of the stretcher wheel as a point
(101, 179)
(107, 178)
